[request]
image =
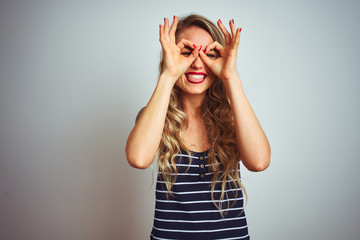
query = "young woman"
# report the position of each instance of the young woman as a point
(200, 125)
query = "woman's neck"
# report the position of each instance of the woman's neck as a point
(194, 136)
(192, 104)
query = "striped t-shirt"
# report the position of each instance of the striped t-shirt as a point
(189, 213)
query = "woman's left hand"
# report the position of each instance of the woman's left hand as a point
(224, 66)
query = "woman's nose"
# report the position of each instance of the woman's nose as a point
(197, 63)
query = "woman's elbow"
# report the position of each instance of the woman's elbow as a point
(260, 167)
(137, 164)
(138, 160)
(259, 164)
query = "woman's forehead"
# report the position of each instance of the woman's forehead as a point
(197, 35)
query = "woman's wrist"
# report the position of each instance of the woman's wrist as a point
(234, 79)
(167, 78)
(166, 82)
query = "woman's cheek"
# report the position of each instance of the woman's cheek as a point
(181, 81)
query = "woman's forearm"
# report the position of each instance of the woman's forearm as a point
(145, 137)
(252, 141)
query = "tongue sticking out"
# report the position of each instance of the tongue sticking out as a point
(195, 78)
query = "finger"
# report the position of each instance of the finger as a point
(194, 54)
(163, 42)
(161, 34)
(233, 29)
(185, 43)
(237, 38)
(205, 59)
(225, 32)
(166, 27)
(214, 45)
(173, 28)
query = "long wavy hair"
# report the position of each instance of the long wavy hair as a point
(219, 123)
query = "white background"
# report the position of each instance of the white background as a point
(74, 74)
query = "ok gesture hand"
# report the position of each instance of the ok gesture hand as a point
(175, 64)
(225, 65)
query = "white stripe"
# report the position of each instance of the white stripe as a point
(200, 221)
(192, 202)
(200, 211)
(185, 155)
(191, 174)
(194, 192)
(161, 238)
(200, 231)
(198, 182)
(234, 238)
(187, 165)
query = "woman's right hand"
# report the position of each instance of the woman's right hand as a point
(175, 64)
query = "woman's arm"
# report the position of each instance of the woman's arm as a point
(252, 141)
(144, 139)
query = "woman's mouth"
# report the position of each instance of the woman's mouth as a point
(195, 77)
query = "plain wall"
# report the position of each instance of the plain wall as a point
(74, 74)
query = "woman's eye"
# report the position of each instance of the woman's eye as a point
(186, 53)
(211, 55)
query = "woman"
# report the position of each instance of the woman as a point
(200, 124)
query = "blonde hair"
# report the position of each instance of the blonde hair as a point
(217, 118)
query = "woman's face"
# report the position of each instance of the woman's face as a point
(197, 78)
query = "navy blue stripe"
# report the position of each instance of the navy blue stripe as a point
(202, 225)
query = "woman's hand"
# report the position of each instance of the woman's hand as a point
(175, 63)
(224, 66)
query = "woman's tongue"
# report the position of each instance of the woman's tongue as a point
(196, 78)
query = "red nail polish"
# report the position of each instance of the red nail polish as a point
(205, 51)
(194, 46)
(240, 29)
(200, 48)
(220, 21)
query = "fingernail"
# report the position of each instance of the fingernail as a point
(205, 51)
(194, 46)
(240, 29)
(200, 48)
(220, 21)
(232, 21)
